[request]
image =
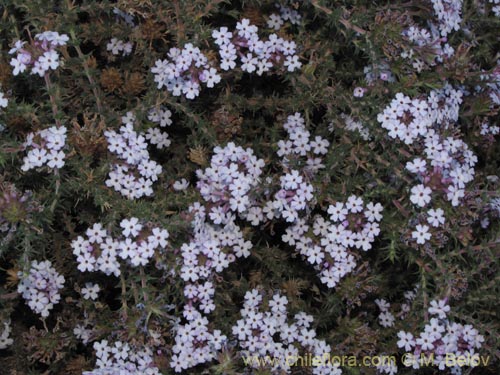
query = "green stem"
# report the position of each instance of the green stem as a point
(143, 283)
(87, 73)
(124, 297)
(48, 84)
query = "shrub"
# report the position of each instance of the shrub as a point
(249, 187)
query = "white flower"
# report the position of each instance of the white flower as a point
(17, 47)
(435, 217)
(315, 255)
(439, 308)
(131, 227)
(90, 291)
(426, 341)
(59, 39)
(159, 237)
(418, 165)
(55, 159)
(49, 60)
(359, 92)
(249, 63)
(245, 29)
(181, 184)
(82, 333)
(127, 48)
(96, 234)
(420, 195)
(222, 36)
(382, 304)
(85, 262)
(37, 157)
(275, 21)
(406, 340)
(337, 212)
(386, 319)
(210, 77)
(354, 204)
(3, 101)
(18, 65)
(191, 89)
(292, 63)
(5, 340)
(421, 234)
(373, 211)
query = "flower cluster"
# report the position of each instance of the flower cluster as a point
(83, 333)
(194, 343)
(40, 287)
(427, 47)
(379, 71)
(122, 358)
(293, 196)
(124, 16)
(228, 184)
(15, 207)
(448, 13)
(45, 148)
(492, 84)
(441, 338)
(255, 55)
(496, 7)
(386, 318)
(355, 126)
(263, 333)
(155, 136)
(295, 189)
(134, 172)
(158, 138)
(40, 56)
(161, 116)
(445, 163)
(210, 251)
(487, 129)
(5, 340)
(393, 106)
(116, 46)
(276, 20)
(406, 119)
(387, 366)
(300, 144)
(100, 251)
(352, 225)
(184, 71)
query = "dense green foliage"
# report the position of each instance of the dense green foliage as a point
(43, 210)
